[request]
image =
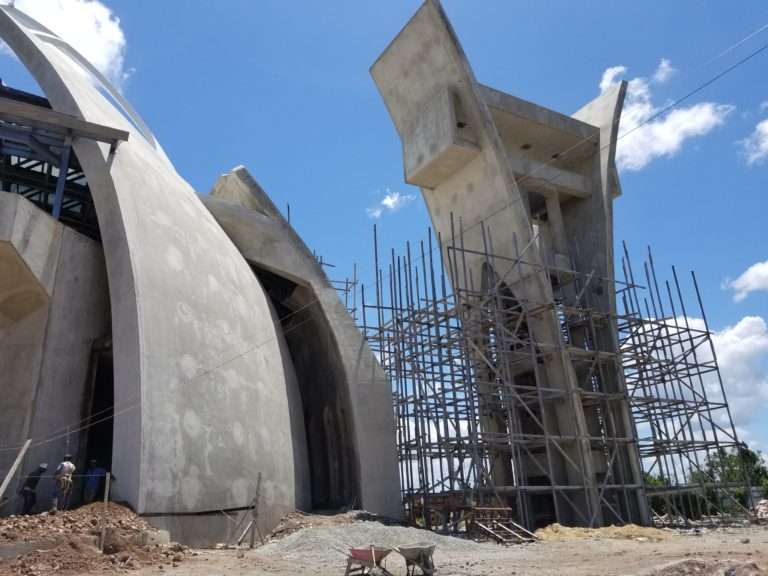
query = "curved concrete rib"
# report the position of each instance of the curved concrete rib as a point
(195, 337)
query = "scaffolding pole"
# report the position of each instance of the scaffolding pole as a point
(482, 424)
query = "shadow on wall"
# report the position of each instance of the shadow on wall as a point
(325, 405)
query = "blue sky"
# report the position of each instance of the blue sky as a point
(283, 88)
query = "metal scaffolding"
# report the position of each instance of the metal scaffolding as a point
(37, 160)
(678, 402)
(480, 429)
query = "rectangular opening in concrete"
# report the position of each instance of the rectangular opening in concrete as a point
(99, 441)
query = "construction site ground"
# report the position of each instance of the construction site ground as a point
(316, 545)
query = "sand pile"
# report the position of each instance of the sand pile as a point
(628, 532)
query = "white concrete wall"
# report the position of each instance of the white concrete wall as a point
(45, 356)
(79, 316)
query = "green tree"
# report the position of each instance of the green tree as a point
(658, 503)
(729, 467)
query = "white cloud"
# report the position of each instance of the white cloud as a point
(611, 76)
(755, 278)
(741, 354)
(742, 351)
(664, 72)
(89, 27)
(392, 202)
(641, 139)
(755, 148)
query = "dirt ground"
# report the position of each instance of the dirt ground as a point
(725, 552)
(315, 545)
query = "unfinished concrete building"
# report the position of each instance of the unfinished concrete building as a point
(519, 385)
(192, 344)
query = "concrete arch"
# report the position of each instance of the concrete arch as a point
(194, 335)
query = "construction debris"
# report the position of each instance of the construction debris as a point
(81, 521)
(67, 543)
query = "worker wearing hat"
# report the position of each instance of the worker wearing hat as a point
(62, 480)
(28, 489)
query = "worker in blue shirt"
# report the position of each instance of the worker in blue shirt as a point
(92, 480)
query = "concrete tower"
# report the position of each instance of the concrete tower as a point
(542, 185)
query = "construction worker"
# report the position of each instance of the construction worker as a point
(28, 489)
(62, 481)
(93, 477)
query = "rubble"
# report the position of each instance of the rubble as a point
(85, 520)
(709, 568)
(71, 552)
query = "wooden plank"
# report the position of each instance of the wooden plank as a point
(501, 526)
(104, 513)
(12, 471)
(255, 513)
(491, 532)
(38, 117)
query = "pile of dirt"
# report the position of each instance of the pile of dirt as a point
(72, 553)
(70, 556)
(709, 568)
(74, 557)
(628, 532)
(85, 520)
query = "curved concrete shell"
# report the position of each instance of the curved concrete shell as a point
(206, 395)
(343, 388)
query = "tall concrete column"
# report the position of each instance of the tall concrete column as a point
(467, 146)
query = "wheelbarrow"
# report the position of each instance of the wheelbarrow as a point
(366, 560)
(418, 555)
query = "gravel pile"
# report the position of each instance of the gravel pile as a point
(327, 543)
